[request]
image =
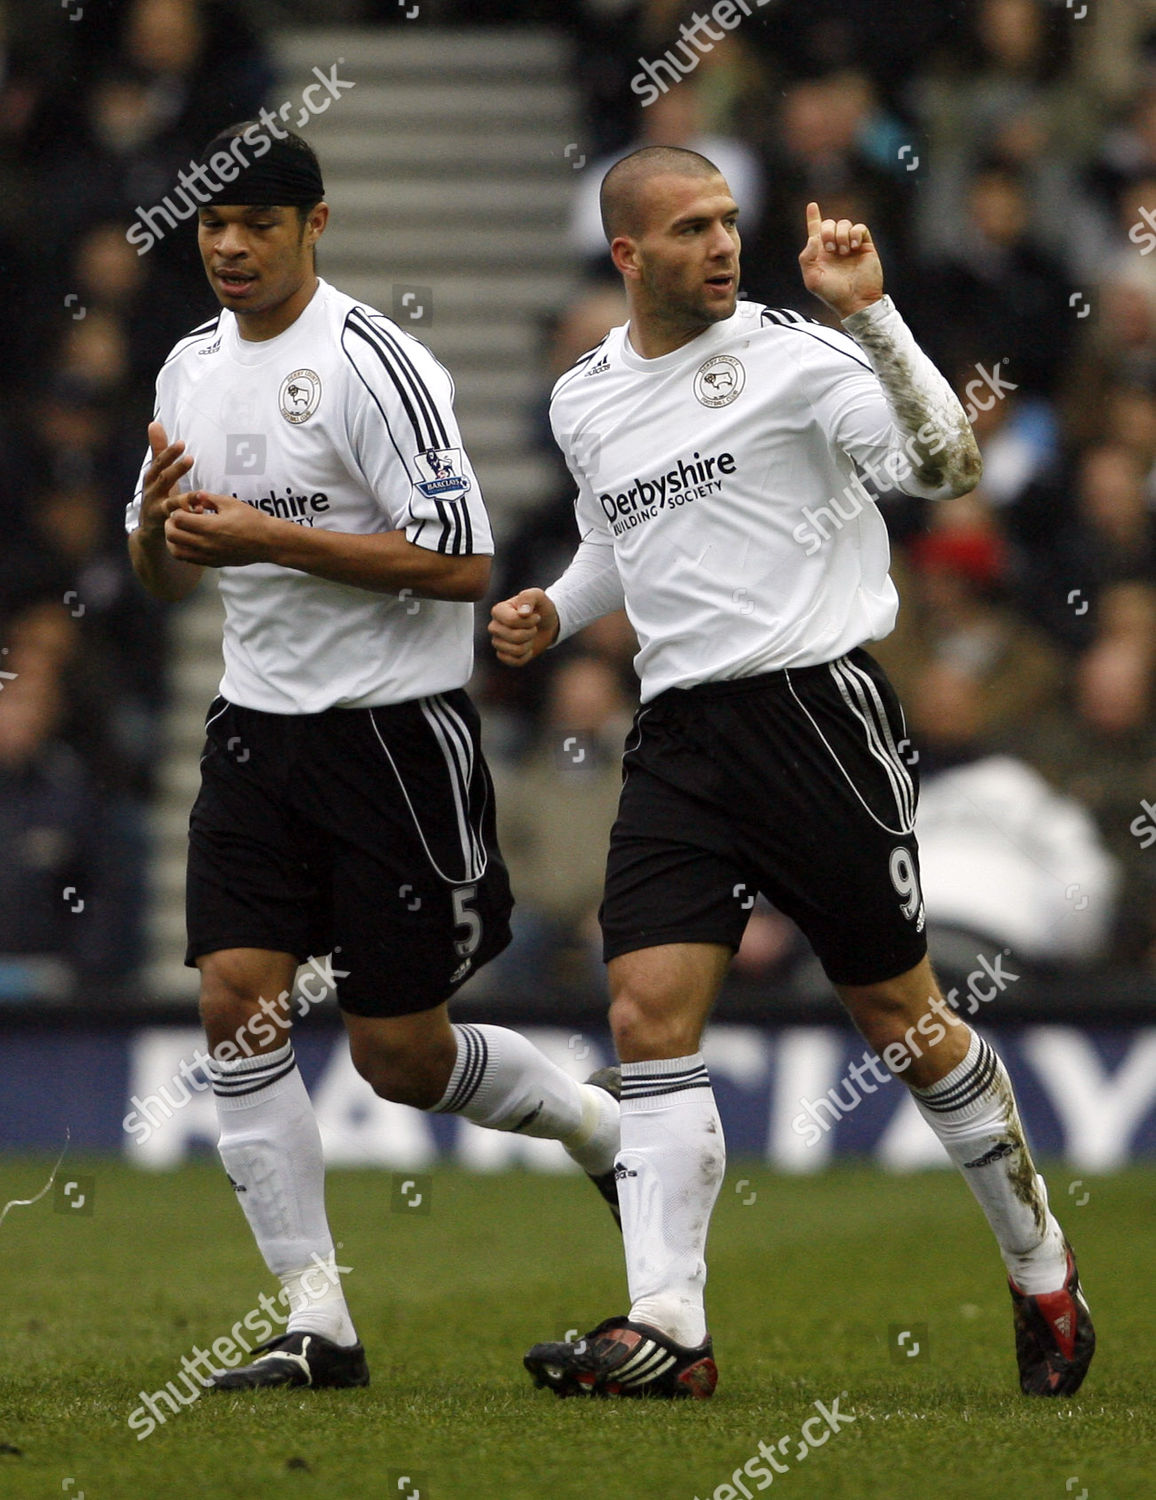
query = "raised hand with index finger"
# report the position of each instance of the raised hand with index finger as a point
(840, 263)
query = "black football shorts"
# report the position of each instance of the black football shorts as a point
(799, 784)
(367, 833)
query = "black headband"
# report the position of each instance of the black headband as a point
(254, 168)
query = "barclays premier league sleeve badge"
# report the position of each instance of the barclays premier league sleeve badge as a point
(441, 474)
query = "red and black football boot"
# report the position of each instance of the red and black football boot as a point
(1055, 1339)
(621, 1358)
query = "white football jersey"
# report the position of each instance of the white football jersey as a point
(346, 423)
(725, 480)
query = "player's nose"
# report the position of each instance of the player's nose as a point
(230, 243)
(722, 243)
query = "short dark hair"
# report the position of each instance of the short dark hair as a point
(618, 197)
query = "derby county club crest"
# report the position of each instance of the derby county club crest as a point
(719, 381)
(300, 395)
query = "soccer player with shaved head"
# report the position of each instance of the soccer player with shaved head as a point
(720, 448)
(306, 449)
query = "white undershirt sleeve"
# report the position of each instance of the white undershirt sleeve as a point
(590, 587)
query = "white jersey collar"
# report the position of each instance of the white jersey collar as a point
(716, 334)
(257, 351)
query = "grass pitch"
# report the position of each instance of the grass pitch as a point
(811, 1281)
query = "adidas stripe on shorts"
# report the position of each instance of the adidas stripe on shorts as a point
(792, 783)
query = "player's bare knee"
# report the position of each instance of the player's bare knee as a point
(229, 1000)
(401, 1075)
(884, 1012)
(399, 1087)
(645, 1028)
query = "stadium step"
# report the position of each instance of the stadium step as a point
(412, 250)
(447, 170)
(435, 153)
(439, 56)
(482, 299)
(389, 202)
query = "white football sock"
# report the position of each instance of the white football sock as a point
(501, 1080)
(271, 1149)
(669, 1170)
(973, 1112)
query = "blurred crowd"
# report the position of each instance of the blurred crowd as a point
(1003, 153)
(95, 117)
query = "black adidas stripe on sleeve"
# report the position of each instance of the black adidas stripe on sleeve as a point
(456, 534)
(419, 402)
(787, 317)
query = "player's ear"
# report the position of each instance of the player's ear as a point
(624, 254)
(316, 222)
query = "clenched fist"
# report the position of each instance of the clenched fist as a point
(523, 627)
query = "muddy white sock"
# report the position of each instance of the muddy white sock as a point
(973, 1112)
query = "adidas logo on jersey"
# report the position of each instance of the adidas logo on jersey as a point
(600, 368)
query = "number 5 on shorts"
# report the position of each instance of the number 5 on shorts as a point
(466, 947)
(906, 882)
